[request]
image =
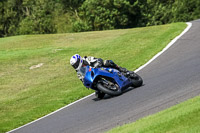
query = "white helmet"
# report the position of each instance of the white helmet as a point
(76, 61)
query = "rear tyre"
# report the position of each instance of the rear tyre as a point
(137, 80)
(106, 90)
(99, 94)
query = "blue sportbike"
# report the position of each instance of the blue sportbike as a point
(108, 80)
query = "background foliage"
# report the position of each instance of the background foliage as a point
(18, 17)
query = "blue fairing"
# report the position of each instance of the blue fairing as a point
(90, 74)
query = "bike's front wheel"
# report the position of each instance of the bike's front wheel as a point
(113, 90)
(99, 94)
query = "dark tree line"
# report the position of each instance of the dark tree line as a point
(18, 17)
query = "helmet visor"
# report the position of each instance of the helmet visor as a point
(75, 65)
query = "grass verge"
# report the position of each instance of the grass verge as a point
(181, 118)
(27, 94)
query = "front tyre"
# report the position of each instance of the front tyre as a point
(114, 91)
(99, 94)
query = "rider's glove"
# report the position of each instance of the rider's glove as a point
(80, 76)
(98, 64)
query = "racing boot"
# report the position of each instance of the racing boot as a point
(133, 75)
(128, 74)
(124, 71)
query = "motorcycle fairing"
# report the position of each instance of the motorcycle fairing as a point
(93, 73)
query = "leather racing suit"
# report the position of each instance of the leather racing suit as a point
(98, 62)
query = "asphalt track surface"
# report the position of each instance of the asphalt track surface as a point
(170, 79)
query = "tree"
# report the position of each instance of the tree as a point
(184, 10)
(55, 16)
(38, 17)
(108, 14)
(10, 16)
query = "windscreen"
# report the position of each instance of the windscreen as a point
(81, 72)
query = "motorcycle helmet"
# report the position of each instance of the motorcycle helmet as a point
(76, 61)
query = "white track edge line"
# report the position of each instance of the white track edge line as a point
(50, 113)
(167, 47)
(140, 68)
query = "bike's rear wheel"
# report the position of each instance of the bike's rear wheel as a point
(113, 92)
(137, 80)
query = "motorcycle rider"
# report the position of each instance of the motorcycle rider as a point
(77, 62)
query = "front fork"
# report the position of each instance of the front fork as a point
(108, 84)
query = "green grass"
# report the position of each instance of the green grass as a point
(26, 95)
(181, 118)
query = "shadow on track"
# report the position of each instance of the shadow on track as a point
(109, 97)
